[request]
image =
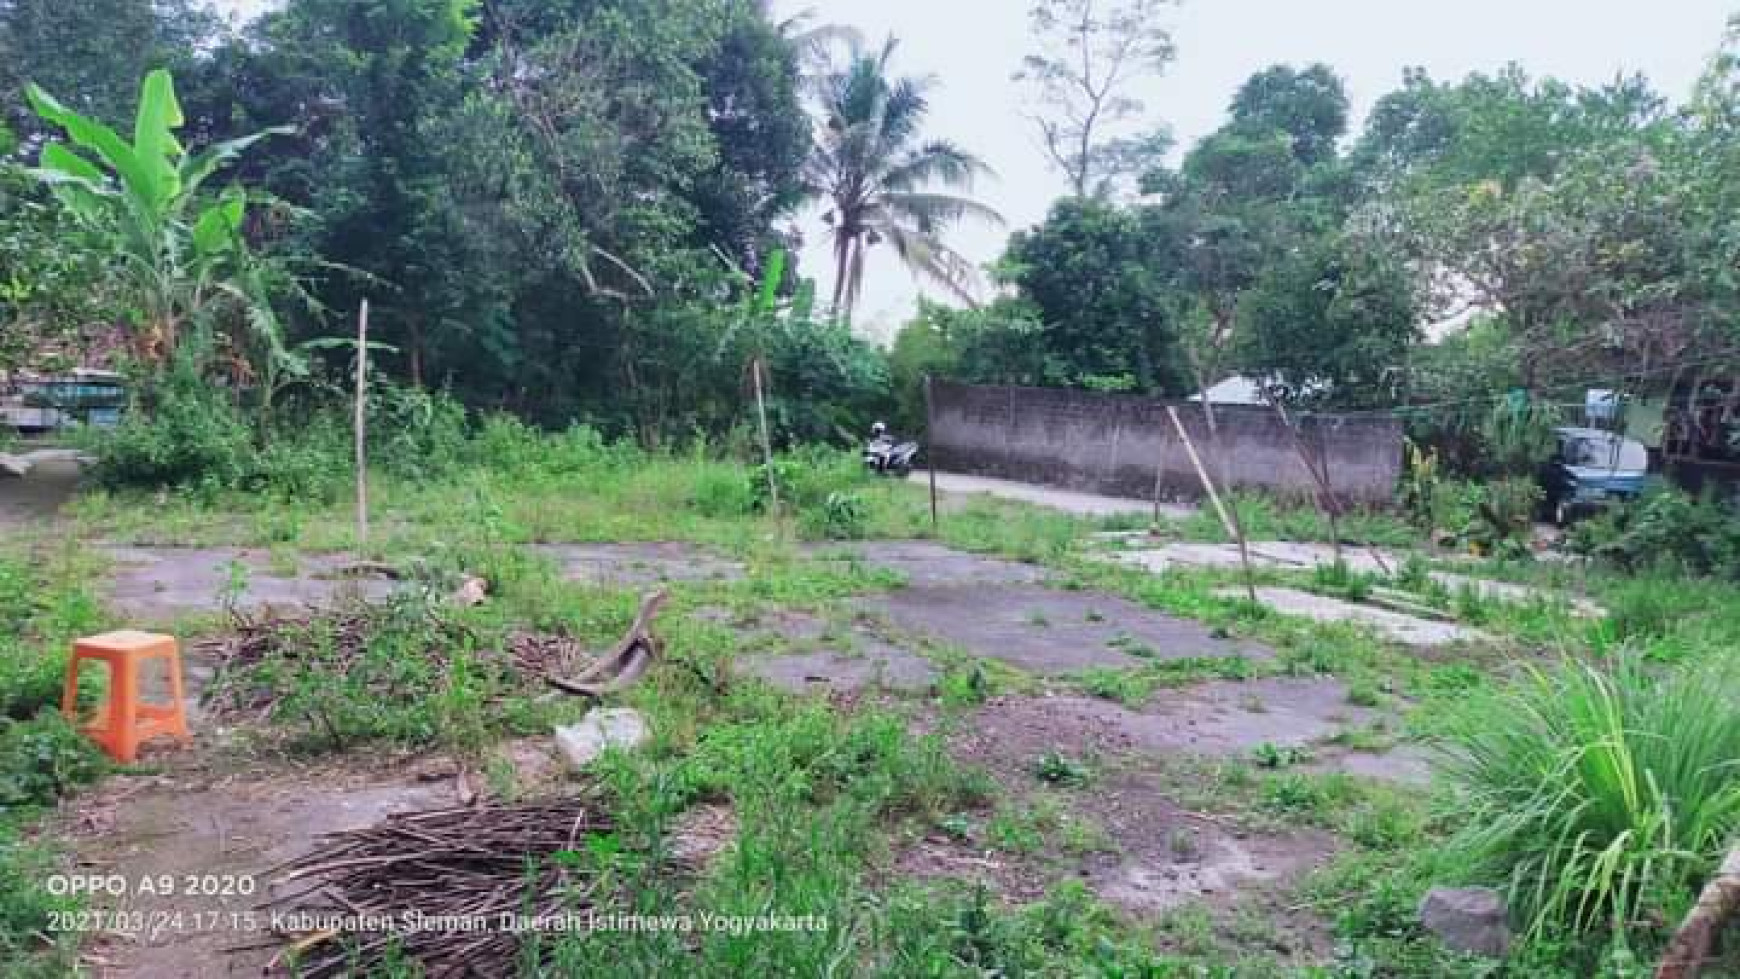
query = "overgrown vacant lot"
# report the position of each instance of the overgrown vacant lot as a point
(998, 751)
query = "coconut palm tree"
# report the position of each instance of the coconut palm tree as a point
(875, 173)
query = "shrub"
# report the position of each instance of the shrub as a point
(415, 433)
(842, 516)
(1667, 529)
(184, 432)
(310, 466)
(41, 759)
(718, 491)
(807, 477)
(1599, 795)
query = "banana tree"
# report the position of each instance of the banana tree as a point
(176, 249)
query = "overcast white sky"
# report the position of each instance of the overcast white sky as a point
(972, 46)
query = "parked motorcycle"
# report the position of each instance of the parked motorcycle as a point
(885, 456)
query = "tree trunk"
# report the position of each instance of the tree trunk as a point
(416, 351)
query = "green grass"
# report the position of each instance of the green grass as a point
(43, 605)
(1600, 794)
(824, 793)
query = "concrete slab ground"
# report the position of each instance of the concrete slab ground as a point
(640, 563)
(33, 499)
(1299, 555)
(803, 653)
(158, 584)
(828, 670)
(1504, 591)
(1050, 631)
(923, 562)
(1407, 629)
(1264, 554)
(1218, 718)
(1069, 501)
(234, 828)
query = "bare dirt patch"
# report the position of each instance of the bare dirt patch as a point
(158, 584)
(640, 563)
(1141, 850)
(1156, 856)
(1045, 630)
(201, 830)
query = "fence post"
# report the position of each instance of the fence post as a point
(930, 448)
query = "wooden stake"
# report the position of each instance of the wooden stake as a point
(1319, 478)
(362, 456)
(1227, 519)
(766, 439)
(930, 449)
(1159, 481)
(1201, 473)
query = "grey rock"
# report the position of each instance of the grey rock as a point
(601, 728)
(1468, 919)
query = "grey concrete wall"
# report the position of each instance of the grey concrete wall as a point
(1109, 443)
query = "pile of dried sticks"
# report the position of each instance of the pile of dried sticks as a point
(540, 654)
(456, 890)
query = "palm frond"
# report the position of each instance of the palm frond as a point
(940, 161)
(932, 211)
(927, 257)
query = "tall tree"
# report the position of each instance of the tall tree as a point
(1101, 278)
(1092, 54)
(92, 52)
(874, 170)
(1309, 107)
(367, 81)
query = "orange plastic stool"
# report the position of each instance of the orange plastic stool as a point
(125, 723)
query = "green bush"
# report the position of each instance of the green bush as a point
(415, 433)
(184, 432)
(841, 516)
(1601, 797)
(41, 759)
(720, 491)
(807, 477)
(1663, 529)
(309, 466)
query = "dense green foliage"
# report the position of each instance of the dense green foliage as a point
(1601, 796)
(1664, 530)
(551, 210)
(1247, 258)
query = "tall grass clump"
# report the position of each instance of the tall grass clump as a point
(1601, 795)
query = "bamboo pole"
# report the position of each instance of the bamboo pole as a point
(1159, 482)
(1227, 519)
(766, 438)
(930, 449)
(362, 458)
(1202, 473)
